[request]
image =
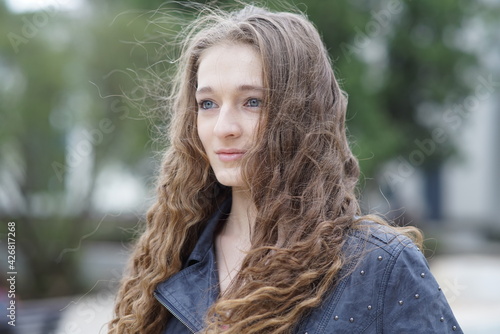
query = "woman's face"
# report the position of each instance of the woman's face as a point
(229, 97)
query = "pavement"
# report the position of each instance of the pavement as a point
(471, 283)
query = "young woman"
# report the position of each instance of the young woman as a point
(256, 228)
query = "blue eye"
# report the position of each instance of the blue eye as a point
(207, 104)
(254, 103)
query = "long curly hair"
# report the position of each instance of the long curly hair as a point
(301, 173)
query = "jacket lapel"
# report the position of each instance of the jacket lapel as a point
(189, 293)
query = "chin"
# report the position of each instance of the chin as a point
(232, 184)
(230, 180)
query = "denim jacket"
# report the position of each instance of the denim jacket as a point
(387, 289)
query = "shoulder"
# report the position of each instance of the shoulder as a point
(386, 286)
(372, 244)
(371, 235)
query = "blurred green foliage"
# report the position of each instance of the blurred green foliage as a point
(63, 112)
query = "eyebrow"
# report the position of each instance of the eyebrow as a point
(241, 88)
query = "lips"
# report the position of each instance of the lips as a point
(227, 155)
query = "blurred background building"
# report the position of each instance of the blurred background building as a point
(78, 147)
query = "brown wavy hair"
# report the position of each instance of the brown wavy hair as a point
(301, 173)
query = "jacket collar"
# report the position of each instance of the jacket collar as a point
(205, 240)
(189, 293)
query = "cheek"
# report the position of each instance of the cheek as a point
(253, 127)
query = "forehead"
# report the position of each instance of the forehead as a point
(229, 64)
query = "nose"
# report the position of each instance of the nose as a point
(228, 123)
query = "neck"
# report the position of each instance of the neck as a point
(242, 217)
